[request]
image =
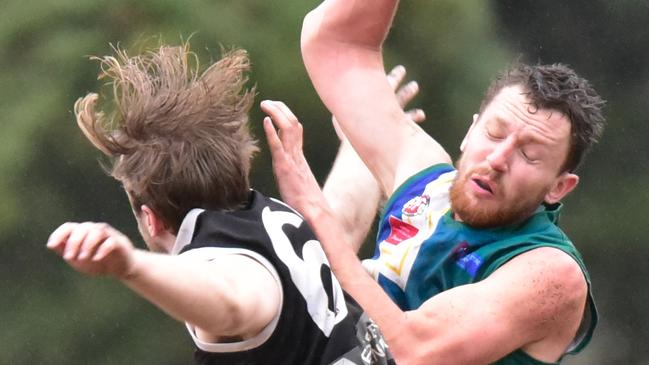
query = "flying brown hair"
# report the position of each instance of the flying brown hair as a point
(178, 139)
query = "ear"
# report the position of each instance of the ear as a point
(153, 224)
(564, 184)
(475, 120)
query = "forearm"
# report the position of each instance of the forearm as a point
(353, 194)
(512, 313)
(193, 291)
(220, 297)
(341, 48)
(351, 32)
(352, 276)
(413, 337)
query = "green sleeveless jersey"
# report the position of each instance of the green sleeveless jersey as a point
(423, 251)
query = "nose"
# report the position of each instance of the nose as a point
(498, 159)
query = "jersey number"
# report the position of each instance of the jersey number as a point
(305, 271)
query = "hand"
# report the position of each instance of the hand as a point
(93, 248)
(297, 185)
(404, 94)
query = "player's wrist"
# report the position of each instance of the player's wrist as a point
(131, 267)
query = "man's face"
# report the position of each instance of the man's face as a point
(511, 161)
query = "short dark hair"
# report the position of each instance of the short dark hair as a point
(178, 138)
(558, 87)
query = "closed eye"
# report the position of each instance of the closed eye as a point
(527, 157)
(496, 136)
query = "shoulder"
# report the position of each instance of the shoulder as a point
(549, 264)
(551, 273)
(557, 295)
(548, 291)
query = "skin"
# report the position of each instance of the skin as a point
(535, 301)
(220, 299)
(350, 189)
(511, 162)
(351, 47)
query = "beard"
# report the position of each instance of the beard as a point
(489, 215)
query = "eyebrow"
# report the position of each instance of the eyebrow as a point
(524, 138)
(499, 122)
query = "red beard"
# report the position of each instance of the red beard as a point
(475, 215)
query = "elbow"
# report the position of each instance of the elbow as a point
(414, 342)
(312, 43)
(229, 316)
(417, 355)
(412, 355)
(309, 34)
(422, 341)
(231, 324)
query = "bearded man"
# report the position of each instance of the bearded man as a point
(470, 263)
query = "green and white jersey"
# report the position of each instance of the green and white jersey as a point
(423, 251)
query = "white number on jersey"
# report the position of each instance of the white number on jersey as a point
(305, 272)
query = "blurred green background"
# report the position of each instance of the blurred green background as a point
(49, 174)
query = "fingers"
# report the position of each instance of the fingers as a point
(74, 240)
(290, 129)
(93, 248)
(280, 158)
(396, 75)
(78, 241)
(417, 115)
(96, 236)
(109, 245)
(407, 92)
(274, 143)
(286, 112)
(281, 115)
(58, 238)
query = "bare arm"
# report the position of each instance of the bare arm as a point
(350, 189)
(534, 302)
(221, 298)
(341, 47)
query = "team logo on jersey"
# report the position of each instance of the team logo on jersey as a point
(416, 206)
(466, 260)
(400, 231)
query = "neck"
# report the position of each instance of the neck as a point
(162, 243)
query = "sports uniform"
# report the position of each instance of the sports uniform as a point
(423, 251)
(317, 323)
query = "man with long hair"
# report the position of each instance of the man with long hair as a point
(243, 271)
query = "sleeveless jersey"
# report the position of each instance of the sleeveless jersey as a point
(422, 250)
(317, 323)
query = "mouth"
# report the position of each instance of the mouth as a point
(484, 185)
